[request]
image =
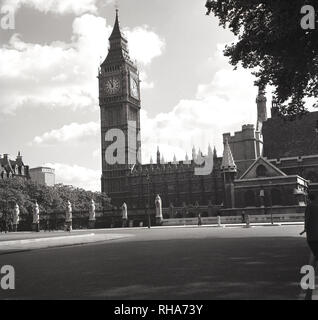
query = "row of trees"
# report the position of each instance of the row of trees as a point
(26, 192)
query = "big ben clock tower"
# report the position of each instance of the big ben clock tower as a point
(119, 100)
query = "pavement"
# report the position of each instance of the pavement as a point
(23, 241)
(197, 263)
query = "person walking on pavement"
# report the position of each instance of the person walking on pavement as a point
(5, 222)
(1, 222)
(311, 230)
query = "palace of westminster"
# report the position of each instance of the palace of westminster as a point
(271, 163)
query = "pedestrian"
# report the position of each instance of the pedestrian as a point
(48, 225)
(5, 222)
(1, 222)
(199, 220)
(311, 230)
(10, 223)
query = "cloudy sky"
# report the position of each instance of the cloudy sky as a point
(49, 91)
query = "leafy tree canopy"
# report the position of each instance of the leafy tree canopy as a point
(26, 192)
(272, 42)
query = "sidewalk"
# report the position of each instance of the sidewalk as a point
(46, 234)
(34, 235)
(16, 242)
(233, 225)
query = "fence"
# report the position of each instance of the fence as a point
(139, 217)
(80, 220)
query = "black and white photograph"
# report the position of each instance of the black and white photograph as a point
(158, 154)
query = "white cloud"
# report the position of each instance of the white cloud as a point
(144, 44)
(77, 7)
(62, 74)
(223, 105)
(96, 153)
(69, 133)
(77, 176)
(145, 84)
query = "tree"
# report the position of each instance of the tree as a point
(272, 42)
(26, 192)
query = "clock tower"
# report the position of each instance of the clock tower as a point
(119, 100)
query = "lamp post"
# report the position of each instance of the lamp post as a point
(148, 200)
(262, 196)
(271, 208)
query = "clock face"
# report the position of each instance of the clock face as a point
(112, 85)
(134, 87)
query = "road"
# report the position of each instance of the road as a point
(167, 263)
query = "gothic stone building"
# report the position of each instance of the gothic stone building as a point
(262, 163)
(284, 166)
(119, 90)
(13, 168)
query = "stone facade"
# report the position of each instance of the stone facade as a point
(264, 185)
(43, 176)
(13, 168)
(176, 183)
(297, 138)
(119, 99)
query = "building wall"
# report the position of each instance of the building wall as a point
(13, 168)
(306, 167)
(176, 184)
(290, 138)
(278, 191)
(43, 176)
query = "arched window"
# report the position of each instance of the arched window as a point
(249, 199)
(276, 197)
(261, 171)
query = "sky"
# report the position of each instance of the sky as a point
(49, 91)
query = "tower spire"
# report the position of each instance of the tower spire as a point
(210, 152)
(261, 109)
(116, 34)
(194, 155)
(118, 49)
(228, 164)
(215, 153)
(158, 155)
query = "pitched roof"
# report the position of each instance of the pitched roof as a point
(228, 163)
(271, 170)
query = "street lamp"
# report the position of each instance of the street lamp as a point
(271, 203)
(148, 200)
(271, 208)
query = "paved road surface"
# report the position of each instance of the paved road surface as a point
(171, 263)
